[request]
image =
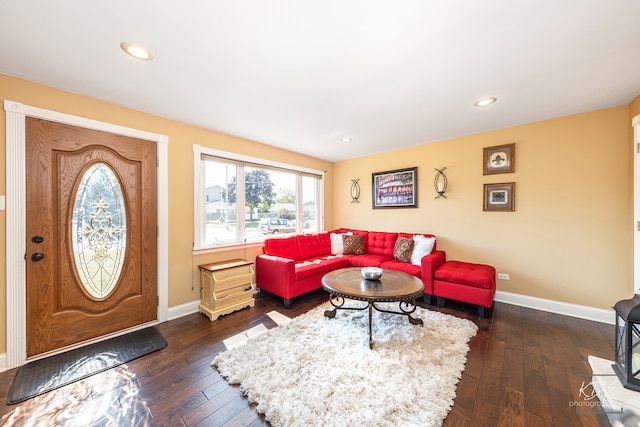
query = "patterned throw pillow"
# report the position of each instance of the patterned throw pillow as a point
(403, 249)
(353, 244)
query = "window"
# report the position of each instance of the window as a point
(239, 199)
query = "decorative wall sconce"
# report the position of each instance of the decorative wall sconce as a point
(355, 190)
(440, 183)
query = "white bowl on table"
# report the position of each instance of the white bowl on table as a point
(371, 273)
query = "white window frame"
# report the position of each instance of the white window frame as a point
(200, 191)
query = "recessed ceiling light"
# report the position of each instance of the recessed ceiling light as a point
(485, 102)
(136, 51)
(345, 139)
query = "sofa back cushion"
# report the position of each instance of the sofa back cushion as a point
(381, 243)
(286, 247)
(313, 245)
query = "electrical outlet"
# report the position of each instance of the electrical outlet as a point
(503, 276)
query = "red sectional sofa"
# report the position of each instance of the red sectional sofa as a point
(294, 265)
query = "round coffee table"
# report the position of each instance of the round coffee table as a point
(393, 286)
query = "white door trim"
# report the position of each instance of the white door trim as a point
(16, 216)
(636, 203)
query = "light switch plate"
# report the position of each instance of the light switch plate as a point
(1, 203)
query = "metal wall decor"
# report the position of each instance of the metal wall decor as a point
(440, 182)
(355, 190)
(499, 159)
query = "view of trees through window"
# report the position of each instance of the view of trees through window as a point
(247, 203)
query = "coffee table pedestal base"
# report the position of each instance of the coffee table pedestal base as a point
(405, 307)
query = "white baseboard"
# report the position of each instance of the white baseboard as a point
(565, 308)
(183, 310)
(558, 307)
(3, 362)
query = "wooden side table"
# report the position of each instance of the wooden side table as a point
(225, 287)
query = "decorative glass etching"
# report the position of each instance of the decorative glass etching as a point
(99, 230)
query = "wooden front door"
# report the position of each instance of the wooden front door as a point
(91, 260)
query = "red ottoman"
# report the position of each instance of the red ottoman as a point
(466, 282)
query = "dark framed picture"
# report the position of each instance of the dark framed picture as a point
(499, 197)
(499, 159)
(395, 189)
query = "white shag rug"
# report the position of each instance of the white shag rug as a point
(316, 371)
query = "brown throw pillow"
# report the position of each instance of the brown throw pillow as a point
(403, 249)
(353, 244)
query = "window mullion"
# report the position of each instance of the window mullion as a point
(299, 204)
(241, 206)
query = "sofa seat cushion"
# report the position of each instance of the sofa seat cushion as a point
(285, 247)
(333, 262)
(368, 260)
(465, 273)
(308, 268)
(405, 267)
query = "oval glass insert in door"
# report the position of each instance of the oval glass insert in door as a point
(99, 230)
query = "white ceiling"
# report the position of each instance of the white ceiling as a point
(302, 74)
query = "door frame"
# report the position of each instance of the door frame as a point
(16, 299)
(635, 122)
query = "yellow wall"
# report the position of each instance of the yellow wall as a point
(570, 237)
(183, 281)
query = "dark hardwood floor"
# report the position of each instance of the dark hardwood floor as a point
(522, 370)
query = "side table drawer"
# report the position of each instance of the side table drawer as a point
(233, 281)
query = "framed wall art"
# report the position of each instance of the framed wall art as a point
(499, 197)
(395, 189)
(499, 159)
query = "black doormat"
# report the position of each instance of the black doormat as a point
(50, 373)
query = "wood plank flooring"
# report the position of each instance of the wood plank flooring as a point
(521, 371)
